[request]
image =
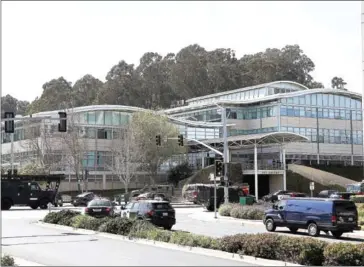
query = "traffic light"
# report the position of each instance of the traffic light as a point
(158, 140)
(62, 125)
(9, 125)
(219, 168)
(180, 140)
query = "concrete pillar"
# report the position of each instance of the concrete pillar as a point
(203, 160)
(104, 182)
(284, 169)
(256, 170)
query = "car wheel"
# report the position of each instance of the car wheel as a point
(337, 234)
(293, 230)
(313, 229)
(34, 206)
(269, 225)
(169, 227)
(43, 204)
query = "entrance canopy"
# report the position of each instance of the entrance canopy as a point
(235, 142)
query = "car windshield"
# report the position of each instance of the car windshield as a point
(353, 188)
(161, 206)
(100, 203)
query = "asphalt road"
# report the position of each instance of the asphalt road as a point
(199, 221)
(53, 247)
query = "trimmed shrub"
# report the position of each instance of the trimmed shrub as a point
(344, 254)
(159, 235)
(254, 212)
(233, 243)
(64, 216)
(184, 239)
(140, 229)
(303, 251)
(88, 222)
(357, 199)
(261, 245)
(7, 261)
(225, 209)
(120, 226)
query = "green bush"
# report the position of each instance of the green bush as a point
(184, 239)
(254, 212)
(304, 251)
(120, 226)
(261, 245)
(344, 254)
(159, 235)
(140, 229)
(358, 199)
(233, 243)
(225, 209)
(88, 222)
(7, 261)
(64, 216)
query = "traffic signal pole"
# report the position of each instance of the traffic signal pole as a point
(226, 155)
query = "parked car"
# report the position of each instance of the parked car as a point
(159, 213)
(83, 199)
(274, 197)
(101, 208)
(326, 193)
(291, 194)
(313, 214)
(191, 192)
(341, 195)
(125, 210)
(152, 195)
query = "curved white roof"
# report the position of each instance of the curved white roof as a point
(264, 99)
(300, 86)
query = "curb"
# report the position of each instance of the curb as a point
(195, 250)
(22, 262)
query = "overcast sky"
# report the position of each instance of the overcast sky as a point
(46, 40)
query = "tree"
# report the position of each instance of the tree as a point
(338, 83)
(74, 145)
(146, 126)
(11, 104)
(121, 87)
(39, 140)
(127, 156)
(179, 173)
(85, 90)
(57, 94)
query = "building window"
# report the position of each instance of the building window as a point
(325, 100)
(100, 118)
(108, 118)
(91, 117)
(331, 100)
(104, 134)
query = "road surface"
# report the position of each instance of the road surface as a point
(22, 238)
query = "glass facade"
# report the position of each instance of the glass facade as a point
(116, 118)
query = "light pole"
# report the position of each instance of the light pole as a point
(226, 155)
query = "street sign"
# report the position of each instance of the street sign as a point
(212, 177)
(312, 186)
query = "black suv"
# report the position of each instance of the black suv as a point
(159, 213)
(83, 199)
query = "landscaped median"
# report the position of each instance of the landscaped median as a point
(304, 251)
(7, 260)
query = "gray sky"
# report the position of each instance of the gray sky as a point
(46, 40)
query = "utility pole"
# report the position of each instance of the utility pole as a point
(226, 155)
(12, 152)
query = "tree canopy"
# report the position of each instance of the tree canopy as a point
(158, 80)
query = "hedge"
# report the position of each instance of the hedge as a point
(248, 212)
(7, 260)
(300, 250)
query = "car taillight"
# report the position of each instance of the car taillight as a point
(86, 209)
(150, 213)
(194, 194)
(293, 195)
(107, 209)
(333, 219)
